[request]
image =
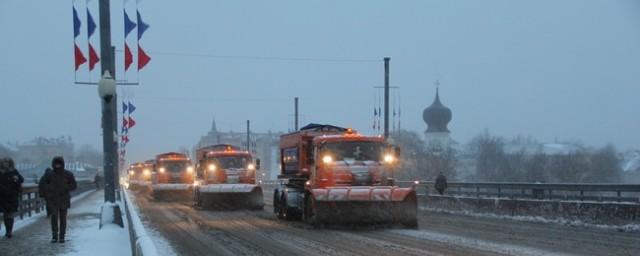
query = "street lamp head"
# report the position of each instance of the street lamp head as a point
(106, 86)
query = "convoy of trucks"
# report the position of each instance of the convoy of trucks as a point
(329, 175)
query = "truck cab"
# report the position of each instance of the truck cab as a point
(174, 168)
(228, 166)
(136, 172)
(332, 156)
(351, 160)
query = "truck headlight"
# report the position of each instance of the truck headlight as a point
(389, 158)
(251, 167)
(162, 170)
(190, 169)
(212, 167)
(327, 159)
(146, 172)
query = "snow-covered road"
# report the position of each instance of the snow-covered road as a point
(197, 232)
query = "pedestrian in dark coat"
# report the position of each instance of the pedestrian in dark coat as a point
(97, 180)
(42, 188)
(10, 191)
(441, 183)
(58, 185)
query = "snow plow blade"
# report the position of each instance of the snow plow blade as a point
(230, 197)
(172, 192)
(142, 186)
(365, 205)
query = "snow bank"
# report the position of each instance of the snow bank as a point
(619, 214)
(87, 238)
(538, 219)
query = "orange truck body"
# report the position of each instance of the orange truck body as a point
(174, 168)
(212, 169)
(333, 174)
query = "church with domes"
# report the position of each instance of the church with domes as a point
(437, 117)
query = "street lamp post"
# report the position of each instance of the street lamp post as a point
(107, 92)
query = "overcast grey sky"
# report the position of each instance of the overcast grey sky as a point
(546, 68)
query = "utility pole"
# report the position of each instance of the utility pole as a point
(248, 136)
(386, 97)
(109, 120)
(295, 113)
(109, 109)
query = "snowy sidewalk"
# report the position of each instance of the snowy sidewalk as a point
(32, 236)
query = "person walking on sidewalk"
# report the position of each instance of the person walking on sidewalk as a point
(10, 191)
(58, 185)
(441, 183)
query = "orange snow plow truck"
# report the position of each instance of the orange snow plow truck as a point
(139, 176)
(228, 179)
(334, 176)
(174, 177)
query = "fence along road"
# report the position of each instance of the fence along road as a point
(550, 191)
(31, 203)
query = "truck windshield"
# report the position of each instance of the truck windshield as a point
(175, 166)
(235, 162)
(354, 150)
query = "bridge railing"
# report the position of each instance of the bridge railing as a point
(601, 192)
(543, 191)
(31, 203)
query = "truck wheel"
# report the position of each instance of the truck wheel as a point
(288, 213)
(310, 211)
(277, 206)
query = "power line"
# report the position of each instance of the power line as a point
(261, 58)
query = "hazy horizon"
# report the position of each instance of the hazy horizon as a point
(565, 70)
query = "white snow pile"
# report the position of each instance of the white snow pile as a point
(88, 238)
(538, 219)
(171, 186)
(107, 210)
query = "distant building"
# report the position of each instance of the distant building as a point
(33, 157)
(264, 146)
(40, 150)
(437, 117)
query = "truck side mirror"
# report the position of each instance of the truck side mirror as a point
(257, 163)
(396, 151)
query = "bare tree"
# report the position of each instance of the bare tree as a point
(491, 161)
(420, 162)
(90, 155)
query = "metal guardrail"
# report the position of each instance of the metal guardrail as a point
(542, 191)
(141, 243)
(31, 203)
